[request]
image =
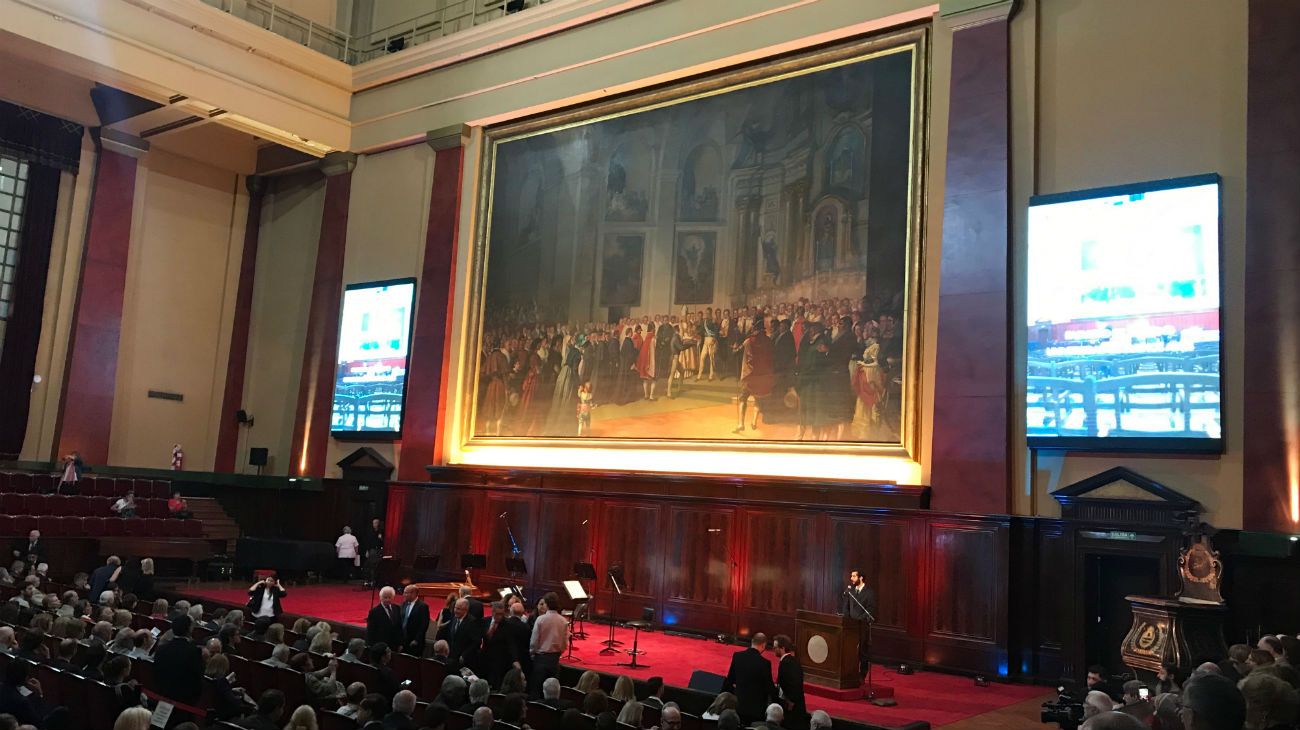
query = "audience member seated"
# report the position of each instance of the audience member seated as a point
(479, 690)
(63, 656)
(403, 715)
(630, 714)
(671, 717)
(321, 683)
(655, 693)
(260, 626)
(1212, 702)
(274, 634)
(355, 652)
(819, 720)
(123, 642)
(280, 656)
(595, 703)
(514, 710)
(551, 695)
(117, 675)
(1113, 720)
(20, 695)
(1098, 680)
(624, 691)
(441, 651)
(774, 716)
(135, 718)
(270, 707)
(322, 642)
(92, 662)
(229, 637)
(1169, 679)
(435, 717)
(229, 701)
(729, 720)
(724, 701)
(1134, 703)
(356, 692)
(514, 681)
(482, 719)
(7, 642)
(125, 505)
(211, 648)
(141, 645)
(381, 657)
(178, 508)
(303, 718)
(31, 648)
(588, 681)
(453, 692)
(374, 708)
(1270, 702)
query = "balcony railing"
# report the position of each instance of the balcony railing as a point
(446, 17)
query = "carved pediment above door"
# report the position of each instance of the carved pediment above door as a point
(1122, 496)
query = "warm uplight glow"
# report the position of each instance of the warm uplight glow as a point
(854, 467)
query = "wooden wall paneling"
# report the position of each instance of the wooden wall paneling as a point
(782, 570)
(445, 522)
(562, 540)
(520, 510)
(882, 547)
(631, 535)
(1053, 586)
(966, 594)
(697, 575)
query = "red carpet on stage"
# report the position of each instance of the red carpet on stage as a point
(936, 698)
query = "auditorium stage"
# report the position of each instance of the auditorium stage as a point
(940, 699)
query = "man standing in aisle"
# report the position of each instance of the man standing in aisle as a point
(789, 683)
(549, 640)
(750, 679)
(415, 622)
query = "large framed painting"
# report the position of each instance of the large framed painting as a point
(730, 259)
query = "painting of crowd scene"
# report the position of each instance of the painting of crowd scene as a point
(729, 265)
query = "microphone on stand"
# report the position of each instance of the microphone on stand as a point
(503, 515)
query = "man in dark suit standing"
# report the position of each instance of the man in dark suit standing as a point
(522, 634)
(750, 679)
(789, 683)
(178, 665)
(500, 646)
(463, 635)
(858, 602)
(31, 550)
(415, 622)
(384, 622)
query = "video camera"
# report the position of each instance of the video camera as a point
(1066, 711)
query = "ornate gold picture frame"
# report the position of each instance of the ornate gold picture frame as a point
(782, 201)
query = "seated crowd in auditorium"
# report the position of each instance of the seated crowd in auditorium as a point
(104, 652)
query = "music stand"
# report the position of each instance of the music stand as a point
(586, 571)
(577, 595)
(471, 561)
(614, 572)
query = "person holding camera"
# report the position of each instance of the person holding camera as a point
(264, 598)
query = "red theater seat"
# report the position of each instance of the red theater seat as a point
(50, 525)
(114, 526)
(93, 526)
(7, 526)
(91, 486)
(154, 526)
(192, 528)
(44, 482)
(13, 504)
(152, 507)
(4, 481)
(24, 524)
(78, 506)
(160, 490)
(133, 526)
(73, 526)
(173, 528)
(40, 504)
(21, 482)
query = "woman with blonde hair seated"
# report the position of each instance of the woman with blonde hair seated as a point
(631, 713)
(159, 609)
(228, 700)
(134, 718)
(624, 691)
(274, 634)
(303, 718)
(322, 643)
(588, 681)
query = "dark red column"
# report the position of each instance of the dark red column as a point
(425, 383)
(86, 414)
(316, 388)
(1271, 473)
(970, 467)
(236, 362)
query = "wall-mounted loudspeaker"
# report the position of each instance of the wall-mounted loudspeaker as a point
(257, 456)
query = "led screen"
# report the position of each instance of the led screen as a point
(374, 344)
(1123, 318)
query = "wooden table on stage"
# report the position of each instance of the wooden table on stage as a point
(828, 648)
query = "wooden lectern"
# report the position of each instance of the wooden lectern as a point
(828, 649)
